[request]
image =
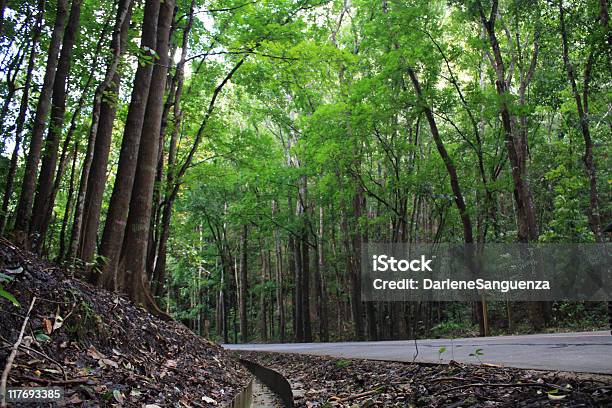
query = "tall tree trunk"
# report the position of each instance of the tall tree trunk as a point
(168, 202)
(355, 276)
(305, 261)
(320, 281)
(21, 116)
(71, 131)
(466, 222)
(280, 300)
(369, 306)
(243, 284)
(24, 207)
(44, 201)
(263, 303)
(93, 176)
(298, 320)
(140, 206)
(516, 148)
(582, 110)
(114, 227)
(68, 207)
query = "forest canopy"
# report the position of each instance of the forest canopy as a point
(222, 162)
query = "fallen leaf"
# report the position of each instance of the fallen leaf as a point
(556, 397)
(209, 400)
(110, 362)
(59, 320)
(119, 397)
(170, 363)
(95, 354)
(48, 326)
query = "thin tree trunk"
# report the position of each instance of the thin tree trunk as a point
(93, 176)
(70, 134)
(21, 116)
(280, 299)
(525, 208)
(24, 207)
(44, 200)
(355, 276)
(243, 284)
(11, 88)
(305, 261)
(68, 207)
(263, 303)
(320, 281)
(162, 242)
(454, 181)
(582, 110)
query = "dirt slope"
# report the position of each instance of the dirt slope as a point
(101, 348)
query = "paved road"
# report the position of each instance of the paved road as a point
(589, 352)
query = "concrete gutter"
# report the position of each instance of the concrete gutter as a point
(273, 380)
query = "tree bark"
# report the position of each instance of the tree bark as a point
(263, 302)
(70, 134)
(24, 207)
(280, 298)
(140, 206)
(244, 324)
(93, 177)
(21, 116)
(305, 260)
(44, 200)
(168, 202)
(68, 207)
(114, 227)
(320, 281)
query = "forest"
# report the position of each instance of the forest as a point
(223, 162)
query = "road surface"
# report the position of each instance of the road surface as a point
(588, 352)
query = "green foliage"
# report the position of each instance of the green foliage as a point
(343, 363)
(319, 138)
(3, 293)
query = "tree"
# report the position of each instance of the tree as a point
(133, 269)
(45, 198)
(116, 218)
(24, 207)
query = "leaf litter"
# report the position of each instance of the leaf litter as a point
(102, 349)
(332, 382)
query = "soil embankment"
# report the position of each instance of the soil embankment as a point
(101, 348)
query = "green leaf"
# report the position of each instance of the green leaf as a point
(40, 336)
(9, 297)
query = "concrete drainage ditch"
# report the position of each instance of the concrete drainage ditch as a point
(268, 389)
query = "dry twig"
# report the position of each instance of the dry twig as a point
(11, 357)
